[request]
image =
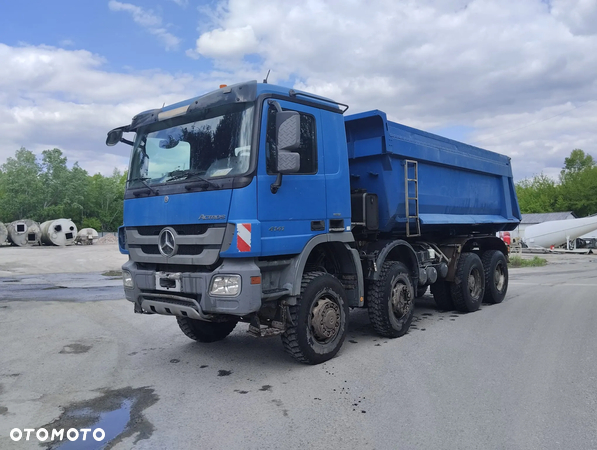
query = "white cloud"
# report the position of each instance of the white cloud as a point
(491, 65)
(181, 3)
(579, 15)
(148, 20)
(51, 97)
(518, 75)
(234, 42)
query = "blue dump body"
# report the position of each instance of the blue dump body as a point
(461, 188)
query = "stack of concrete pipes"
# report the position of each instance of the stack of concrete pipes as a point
(27, 232)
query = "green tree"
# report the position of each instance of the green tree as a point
(539, 194)
(105, 199)
(21, 189)
(577, 162)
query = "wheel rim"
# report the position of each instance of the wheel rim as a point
(474, 283)
(400, 298)
(325, 319)
(499, 277)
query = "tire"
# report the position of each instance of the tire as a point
(391, 300)
(468, 288)
(442, 294)
(496, 276)
(202, 331)
(319, 322)
(421, 290)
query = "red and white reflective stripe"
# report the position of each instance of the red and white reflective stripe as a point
(243, 237)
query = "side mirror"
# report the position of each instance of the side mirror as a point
(114, 137)
(288, 162)
(288, 130)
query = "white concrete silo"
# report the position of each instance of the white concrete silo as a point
(24, 232)
(86, 236)
(58, 232)
(3, 233)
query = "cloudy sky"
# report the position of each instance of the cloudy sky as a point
(514, 76)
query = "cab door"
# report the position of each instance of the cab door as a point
(297, 211)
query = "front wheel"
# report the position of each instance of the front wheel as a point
(319, 322)
(468, 288)
(391, 300)
(202, 331)
(496, 276)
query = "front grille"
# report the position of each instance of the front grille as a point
(181, 230)
(148, 249)
(193, 249)
(197, 244)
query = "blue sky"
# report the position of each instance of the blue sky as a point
(513, 77)
(94, 26)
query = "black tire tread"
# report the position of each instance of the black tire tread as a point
(486, 258)
(289, 337)
(442, 295)
(456, 289)
(421, 291)
(378, 304)
(212, 332)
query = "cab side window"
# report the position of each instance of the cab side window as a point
(307, 149)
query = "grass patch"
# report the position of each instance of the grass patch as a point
(113, 273)
(517, 261)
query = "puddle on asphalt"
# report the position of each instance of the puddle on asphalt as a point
(118, 412)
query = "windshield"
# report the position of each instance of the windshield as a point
(217, 146)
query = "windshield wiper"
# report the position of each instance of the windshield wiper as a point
(186, 175)
(146, 184)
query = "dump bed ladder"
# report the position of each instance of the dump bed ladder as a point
(411, 184)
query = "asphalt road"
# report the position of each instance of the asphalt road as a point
(519, 375)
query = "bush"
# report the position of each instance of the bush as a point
(517, 261)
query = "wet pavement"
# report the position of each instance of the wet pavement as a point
(520, 374)
(119, 413)
(73, 287)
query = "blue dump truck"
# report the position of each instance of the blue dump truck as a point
(261, 204)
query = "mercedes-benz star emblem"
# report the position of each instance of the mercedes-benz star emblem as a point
(166, 242)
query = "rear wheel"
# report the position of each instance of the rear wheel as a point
(202, 331)
(496, 276)
(421, 290)
(469, 283)
(391, 300)
(318, 323)
(442, 295)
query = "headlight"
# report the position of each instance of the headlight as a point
(225, 285)
(127, 279)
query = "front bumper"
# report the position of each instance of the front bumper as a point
(190, 295)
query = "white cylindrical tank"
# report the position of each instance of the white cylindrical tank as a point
(3, 233)
(86, 236)
(558, 232)
(24, 232)
(58, 232)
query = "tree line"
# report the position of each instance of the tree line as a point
(45, 189)
(48, 189)
(575, 190)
